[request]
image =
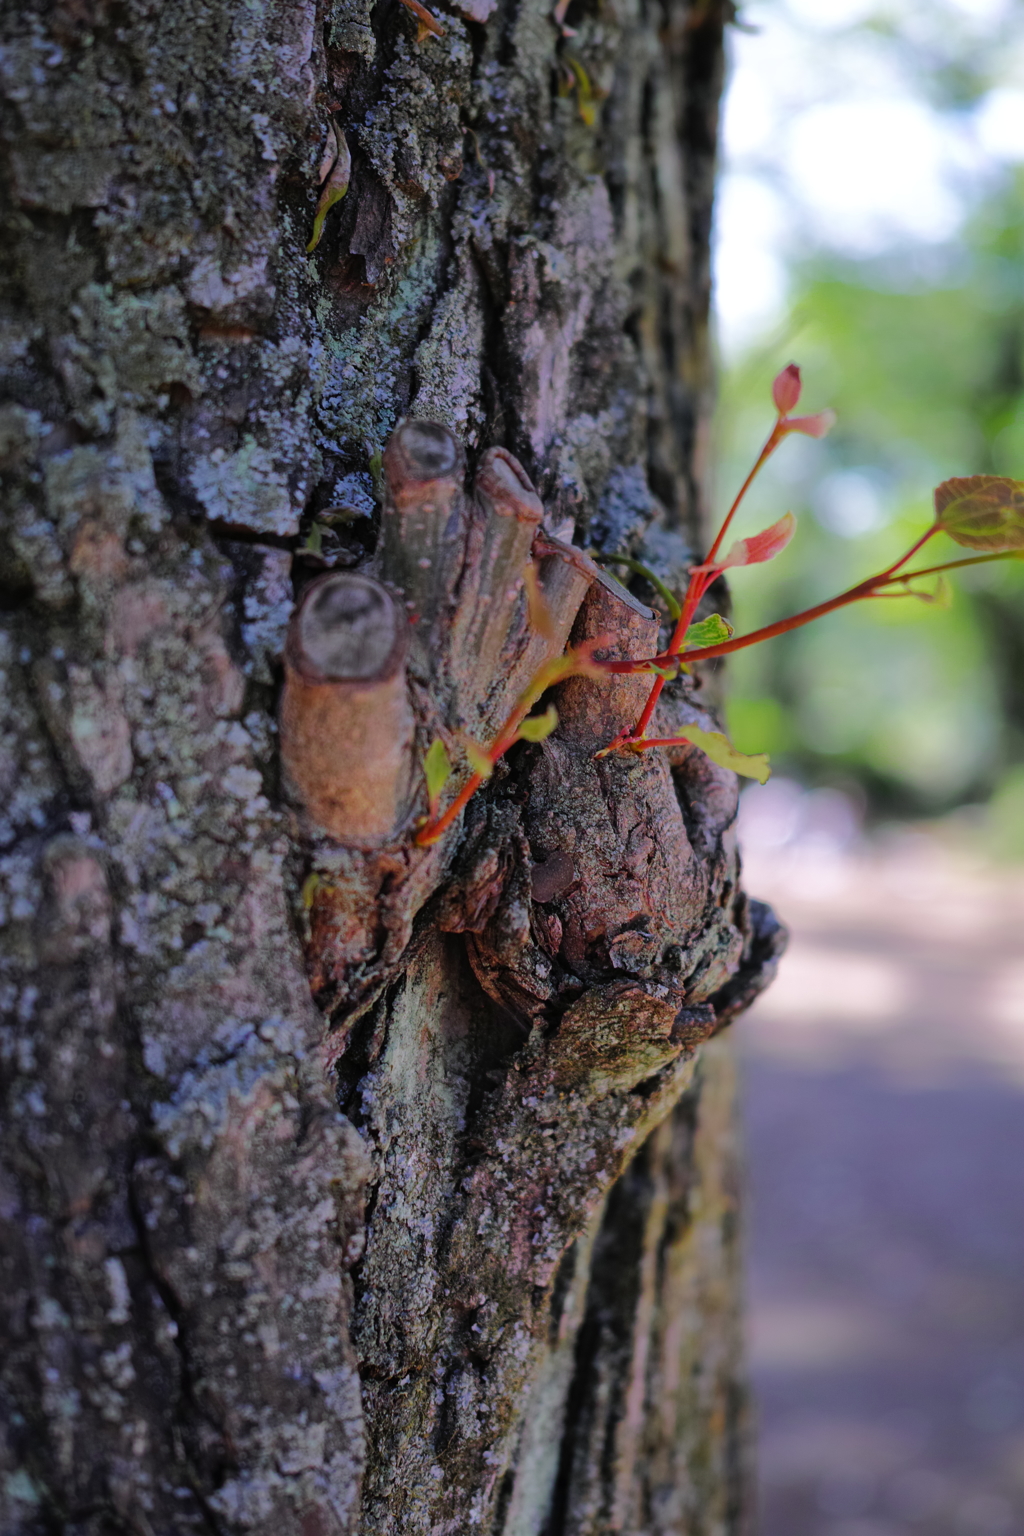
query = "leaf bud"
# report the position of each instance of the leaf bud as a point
(786, 389)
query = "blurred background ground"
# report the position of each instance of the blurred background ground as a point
(884, 1124)
(871, 229)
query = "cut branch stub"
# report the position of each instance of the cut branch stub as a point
(424, 529)
(511, 513)
(346, 722)
(592, 712)
(460, 564)
(564, 579)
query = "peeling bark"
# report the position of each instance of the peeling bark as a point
(347, 1186)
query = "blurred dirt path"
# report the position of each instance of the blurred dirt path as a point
(884, 1108)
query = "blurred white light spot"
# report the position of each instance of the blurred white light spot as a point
(1006, 1000)
(749, 113)
(826, 15)
(770, 815)
(839, 987)
(750, 284)
(809, 1337)
(999, 124)
(782, 814)
(847, 502)
(872, 170)
(985, 11)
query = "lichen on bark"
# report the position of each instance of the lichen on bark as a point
(285, 1243)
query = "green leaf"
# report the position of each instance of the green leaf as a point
(713, 630)
(478, 758)
(537, 727)
(328, 198)
(982, 511)
(721, 751)
(334, 188)
(586, 97)
(941, 595)
(437, 768)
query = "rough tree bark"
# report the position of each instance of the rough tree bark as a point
(349, 1186)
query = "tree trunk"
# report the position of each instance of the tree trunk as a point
(350, 1185)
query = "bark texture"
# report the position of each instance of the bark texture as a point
(347, 1186)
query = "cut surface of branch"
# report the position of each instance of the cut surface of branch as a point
(346, 720)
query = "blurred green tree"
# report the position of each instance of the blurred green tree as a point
(923, 358)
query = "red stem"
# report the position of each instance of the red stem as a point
(435, 830)
(957, 565)
(775, 437)
(863, 589)
(699, 584)
(694, 592)
(912, 550)
(740, 642)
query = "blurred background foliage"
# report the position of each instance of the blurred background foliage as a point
(902, 299)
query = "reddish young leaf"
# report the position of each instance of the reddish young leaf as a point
(982, 511)
(812, 426)
(758, 548)
(786, 389)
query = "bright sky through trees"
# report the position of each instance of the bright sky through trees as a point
(871, 229)
(856, 126)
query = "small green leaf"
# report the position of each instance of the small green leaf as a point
(328, 198)
(721, 751)
(478, 758)
(982, 511)
(314, 544)
(586, 97)
(334, 188)
(713, 630)
(942, 596)
(537, 727)
(437, 768)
